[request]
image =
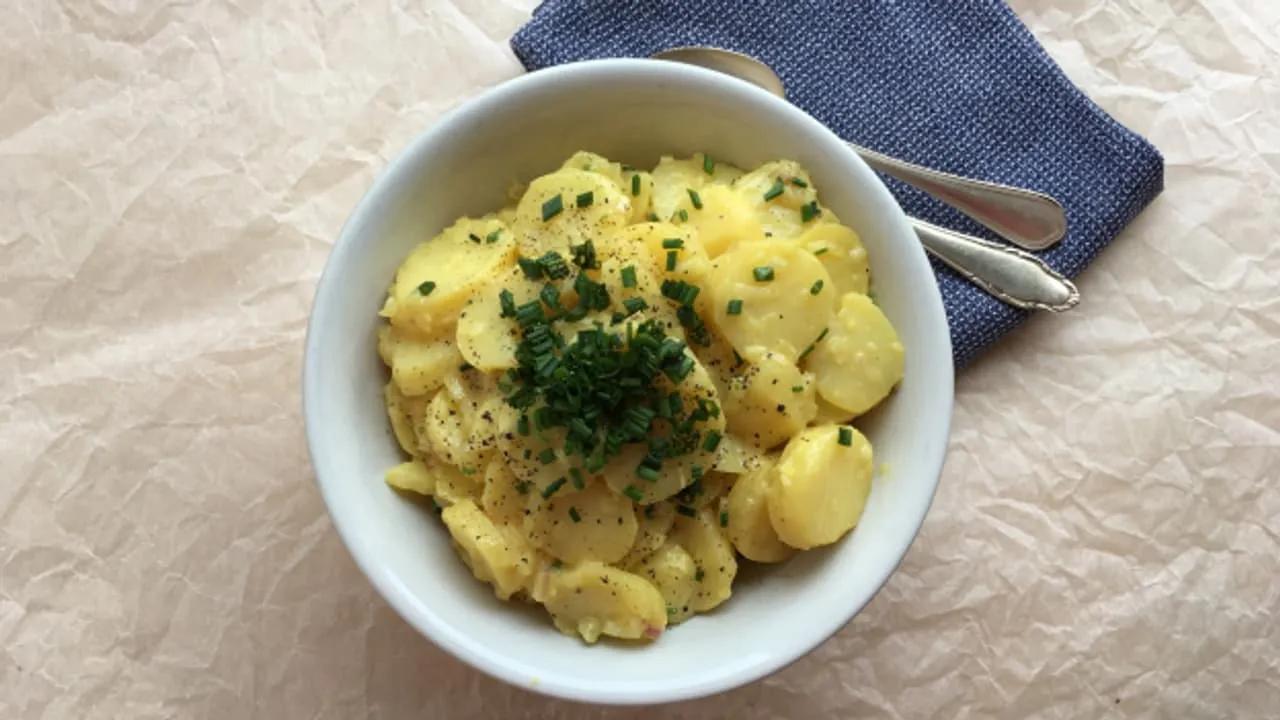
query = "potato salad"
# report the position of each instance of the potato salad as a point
(627, 381)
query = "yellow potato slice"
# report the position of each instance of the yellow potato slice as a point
(780, 217)
(573, 224)
(453, 485)
(736, 456)
(485, 339)
(456, 261)
(398, 413)
(593, 599)
(461, 423)
(420, 367)
(672, 180)
(501, 500)
(672, 570)
(820, 486)
(749, 526)
(725, 220)
(691, 261)
(706, 490)
(840, 251)
(768, 400)
(829, 414)
(638, 186)
(413, 477)
(575, 525)
(780, 315)
(599, 164)
(654, 522)
(495, 557)
(860, 360)
(712, 553)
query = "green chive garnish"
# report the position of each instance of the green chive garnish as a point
(671, 259)
(550, 295)
(547, 456)
(628, 274)
(798, 182)
(724, 518)
(764, 273)
(695, 199)
(686, 511)
(530, 268)
(522, 487)
(553, 265)
(846, 436)
(647, 473)
(652, 216)
(426, 288)
(816, 287)
(697, 576)
(631, 492)
(578, 482)
(797, 388)
(552, 208)
(813, 344)
(585, 199)
(473, 238)
(492, 237)
(635, 184)
(821, 251)
(809, 211)
(734, 308)
(672, 244)
(769, 194)
(712, 441)
(522, 425)
(551, 489)
(573, 514)
(708, 165)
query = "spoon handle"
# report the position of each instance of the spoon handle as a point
(1016, 277)
(1024, 217)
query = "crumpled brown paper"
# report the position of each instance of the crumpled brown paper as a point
(1105, 542)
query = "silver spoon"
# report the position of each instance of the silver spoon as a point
(1015, 277)
(1025, 218)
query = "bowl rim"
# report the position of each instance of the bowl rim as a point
(365, 556)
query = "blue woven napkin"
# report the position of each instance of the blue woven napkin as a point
(958, 86)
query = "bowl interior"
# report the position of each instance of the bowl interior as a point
(633, 111)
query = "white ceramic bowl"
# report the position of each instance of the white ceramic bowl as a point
(632, 111)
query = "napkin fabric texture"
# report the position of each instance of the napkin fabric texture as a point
(957, 86)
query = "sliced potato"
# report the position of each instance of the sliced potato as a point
(572, 224)
(501, 498)
(672, 570)
(829, 414)
(780, 216)
(494, 557)
(401, 412)
(706, 490)
(672, 180)
(820, 486)
(725, 220)
(453, 485)
(413, 477)
(594, 599)
(703, 539)
(778, 314)
(575, 525)
(419, 367)
(654, 238)
(485, 338)
(598, 164)
(860, 360)
(439, 275)
(736, 456)
(654, 523)
(638, 186)
(749, 526)
(461, 423)
(768, 400)
(840, 250)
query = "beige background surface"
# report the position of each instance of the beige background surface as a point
(1106, 540)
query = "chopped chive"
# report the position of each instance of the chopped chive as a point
(797, 388)
(798, 182)
(809, 211)
(632, 492)
(628, 276)
(846, 436)
(426, 288)
(764, 273)
(672, 255)
(530, 314)
(492, 237)
(708, 165)
(530, 268)
(695, 472)
(634, 305)
(652, 216)
(686, 511)
(473, 238)
(697, 576)
(522, 487)
(635, 184)
(522, 425)
(547, 456)
(573, 515)
(578, 482)
(551, 489)
(816, 287)
(683, 215)
(813, 344)
(647, 473)
(552, 208)
(550, 295)
(553, 265)
(724, 518)
(712, 441)
(695, 199)
(734, 307)
(672, 244)
(585, 199)
(772, 192)
(821, 251)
